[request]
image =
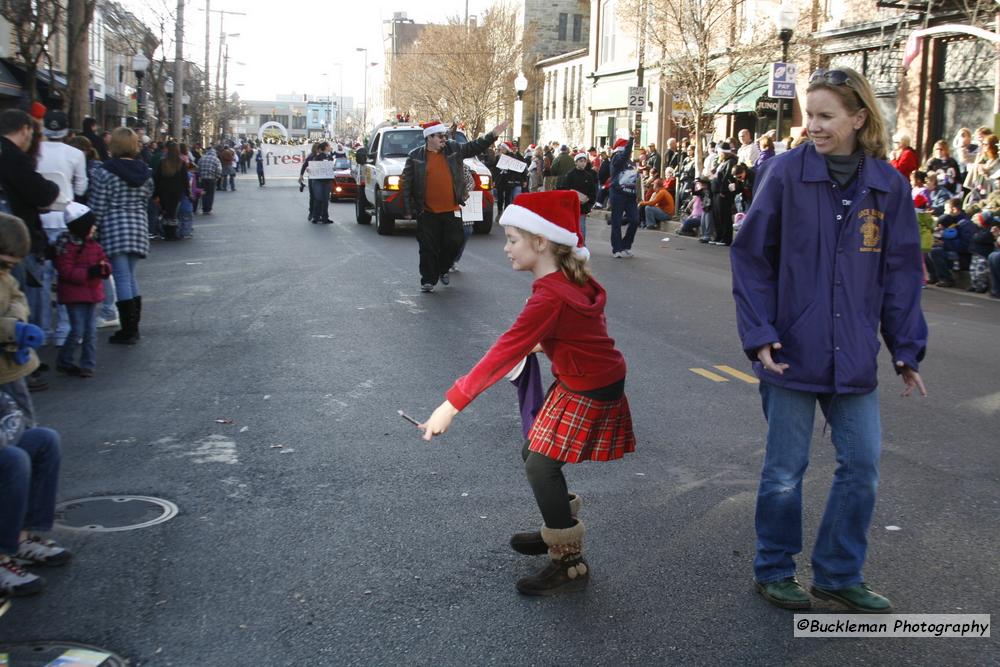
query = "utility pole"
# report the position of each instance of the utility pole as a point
(222, 40)
(639, 75)
(208, 32)
(179, 73)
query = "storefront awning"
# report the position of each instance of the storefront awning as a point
(9, 87)
(737, 93)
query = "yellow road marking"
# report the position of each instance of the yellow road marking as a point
(708, 374)
(739, 375)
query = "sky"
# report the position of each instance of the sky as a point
(287, 46)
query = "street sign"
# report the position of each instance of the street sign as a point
(679, 107)
(636, 98)
(782, 84)
(187, 122)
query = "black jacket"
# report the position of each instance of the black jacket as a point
(170, 189)
(982, 242)
(584, 181)
(414, 181)
(27, 191)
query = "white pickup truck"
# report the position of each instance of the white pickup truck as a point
(379, 178)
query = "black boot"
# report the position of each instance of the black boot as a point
(126, 313)
(567, 571)
(138, 317)
(530, 543)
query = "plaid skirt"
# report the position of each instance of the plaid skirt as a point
(574, 428)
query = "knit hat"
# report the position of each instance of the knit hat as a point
(580, 156)
(433, 127)
(554, 214)
(56, 124)
(619, 144)
(79, 219)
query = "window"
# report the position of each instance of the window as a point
(608, 30)
(577, 27)
(555, 91)
(563, 19)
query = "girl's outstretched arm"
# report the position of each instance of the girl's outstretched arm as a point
(439, 420)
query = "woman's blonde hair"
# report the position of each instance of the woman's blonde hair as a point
(573, 267)
(766, 142)
(124, 143)
(856, 94)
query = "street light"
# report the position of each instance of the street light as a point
(786, 19)
(364, 97)
(140, 64)
(520, 85)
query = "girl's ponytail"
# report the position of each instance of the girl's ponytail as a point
(572, 266)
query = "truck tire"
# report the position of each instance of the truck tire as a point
(485, 225)
(385, 223)
(361, 213)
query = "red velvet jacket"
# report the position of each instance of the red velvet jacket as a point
(73, 260)
(568, 320)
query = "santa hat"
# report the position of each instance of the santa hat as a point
(554, 214)
(580, 156)
(619, 144)
(433, 127)
(509, 146)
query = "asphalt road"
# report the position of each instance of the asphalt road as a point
(356, 543)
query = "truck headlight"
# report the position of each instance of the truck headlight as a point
(392, 182)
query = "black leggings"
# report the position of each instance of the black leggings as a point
(549, 486)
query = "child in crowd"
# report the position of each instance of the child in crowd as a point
(585, 416)
(82, 267)
(29, 457)
(982, 244)
(918, 188)
(696, 207)
(940, 194)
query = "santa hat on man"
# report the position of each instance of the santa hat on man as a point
(554, 215)
(508, 145)
(434, 127)
(619, 145)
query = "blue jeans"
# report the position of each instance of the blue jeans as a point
(842, 541)
(994, 262)
(583, 227)
(123, 269)
(319, 198)
(943, 260)
(623, 205)
(83, 326)
(39, 298)
(707, 226)
(108, 310)
(655, 216)
(29, 477)
(466, 233)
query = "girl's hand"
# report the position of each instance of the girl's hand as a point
(439, 420)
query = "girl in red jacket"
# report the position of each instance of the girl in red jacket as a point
(585, 416)
(82, 267)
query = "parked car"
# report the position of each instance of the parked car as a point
(380, 173)
(343, 185)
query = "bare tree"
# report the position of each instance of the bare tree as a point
(34, 24)
(699, 44)
(457, 72)
(79, 16)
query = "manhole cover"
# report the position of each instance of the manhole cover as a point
(109, 514)
(39, 654)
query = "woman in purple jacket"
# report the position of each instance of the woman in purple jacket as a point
(828, 254)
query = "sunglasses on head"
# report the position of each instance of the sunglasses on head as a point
(834, 77)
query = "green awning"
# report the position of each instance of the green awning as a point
(738, 93)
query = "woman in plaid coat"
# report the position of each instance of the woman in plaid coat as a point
(585, 416)
(119, 196)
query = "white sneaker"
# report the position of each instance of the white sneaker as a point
(454, 268)
(107, 324)
(627, 253)
(15, 581)
(37, 550)
(619, 255)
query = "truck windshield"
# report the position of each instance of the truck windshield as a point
(399, 143)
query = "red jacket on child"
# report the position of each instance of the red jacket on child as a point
(73, 262)
(568, 320)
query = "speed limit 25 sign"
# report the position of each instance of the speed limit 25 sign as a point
(636, 98)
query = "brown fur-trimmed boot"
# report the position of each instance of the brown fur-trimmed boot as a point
(530, 543)
(566, 571)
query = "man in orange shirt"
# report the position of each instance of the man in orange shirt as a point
(659, 207)
(434, 189)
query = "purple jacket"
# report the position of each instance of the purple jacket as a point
(822, 286)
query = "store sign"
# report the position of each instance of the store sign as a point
(768, 106)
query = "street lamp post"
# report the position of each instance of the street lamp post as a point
(364, 96)
(140, 64)
(520, 85)
(786, 20)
